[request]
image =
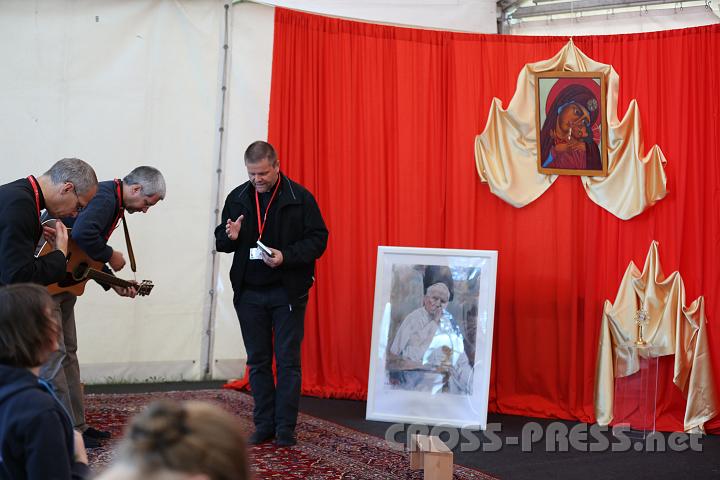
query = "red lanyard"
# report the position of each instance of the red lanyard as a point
(34, 185)
(261, 223)
(118, 191)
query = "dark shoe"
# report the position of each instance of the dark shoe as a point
(285, 439)
(95, 433)
(261, 436)
(91, 442)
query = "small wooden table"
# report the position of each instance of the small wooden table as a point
(430, 454)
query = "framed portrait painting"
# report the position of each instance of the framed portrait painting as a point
(432, 336)
(571, 123)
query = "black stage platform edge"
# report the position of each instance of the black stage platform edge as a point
(154, 387)
(510, 461)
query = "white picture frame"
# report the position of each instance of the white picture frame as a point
(427, 365)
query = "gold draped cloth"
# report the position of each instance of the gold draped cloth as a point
(672, 329)
(506, 152)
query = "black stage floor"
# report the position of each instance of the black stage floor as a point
(498, 456)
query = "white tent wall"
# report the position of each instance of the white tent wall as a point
(248, 107)
(122, 84)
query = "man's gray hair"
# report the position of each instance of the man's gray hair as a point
(75, 171)
(150, 180)
(438, 286)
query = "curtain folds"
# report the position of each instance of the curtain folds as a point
(379, 123)
(672, 328)
(506, 153)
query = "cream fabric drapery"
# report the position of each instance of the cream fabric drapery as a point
(672, 329)
(506, 152)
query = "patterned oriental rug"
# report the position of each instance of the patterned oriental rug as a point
(325, 450)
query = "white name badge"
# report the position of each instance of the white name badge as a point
(255, 254)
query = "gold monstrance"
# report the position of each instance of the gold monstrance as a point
(642, 317)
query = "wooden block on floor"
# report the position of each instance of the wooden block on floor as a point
(430, 454)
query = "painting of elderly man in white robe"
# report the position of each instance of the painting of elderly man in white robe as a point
(433, 323)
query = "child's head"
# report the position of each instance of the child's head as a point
(28, 326)
(579, 130)
(191, 440)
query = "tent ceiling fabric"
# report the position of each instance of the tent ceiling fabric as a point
(479, 16)
(482, 16)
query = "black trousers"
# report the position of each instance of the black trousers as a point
(269, 322)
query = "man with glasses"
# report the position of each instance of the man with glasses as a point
(92, 227)
(63, 190)
(78, 204)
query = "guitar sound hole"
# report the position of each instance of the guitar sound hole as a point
(79, 273)
(68, 281)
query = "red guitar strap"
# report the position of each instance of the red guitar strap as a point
(36, 190)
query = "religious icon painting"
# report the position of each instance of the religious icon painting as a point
(571, 123)
(432, 336)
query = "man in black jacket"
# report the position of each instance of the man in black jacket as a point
(141, 189)
(63, 190)
(274, 228)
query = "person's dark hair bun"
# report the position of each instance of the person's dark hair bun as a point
(185, 437)
(159, 427)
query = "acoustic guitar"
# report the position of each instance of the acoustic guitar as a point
(81, 268)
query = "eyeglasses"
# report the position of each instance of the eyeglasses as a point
(78, 206)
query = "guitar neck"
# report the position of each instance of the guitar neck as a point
(107, 278)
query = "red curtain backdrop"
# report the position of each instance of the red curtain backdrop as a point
(379, 122)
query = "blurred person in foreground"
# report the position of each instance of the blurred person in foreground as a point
(37, 440)
(181, 441)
